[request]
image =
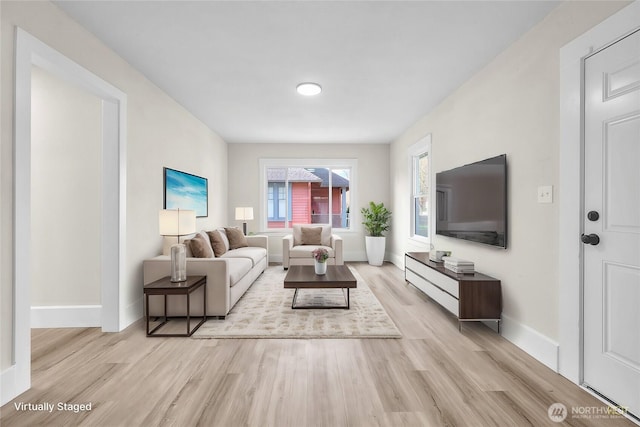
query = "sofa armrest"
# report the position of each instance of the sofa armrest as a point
(336, 244)
(216, 270)
(287, 245)
(258, 241)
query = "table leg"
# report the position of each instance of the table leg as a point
(165, 308)
(147, 311)
(295, 297)
(188, 313)
(204, 313)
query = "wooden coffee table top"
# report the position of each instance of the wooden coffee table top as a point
(304, 276)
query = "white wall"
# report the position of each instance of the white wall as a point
(372, 183)
(159, 133)
(65, 192)
(512, 107)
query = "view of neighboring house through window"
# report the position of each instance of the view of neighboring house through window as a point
(307, 195)
(421, 188)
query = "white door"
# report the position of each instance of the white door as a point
(612, 215)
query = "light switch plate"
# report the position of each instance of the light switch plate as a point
(545, 194)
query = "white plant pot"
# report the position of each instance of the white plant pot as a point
(320, 267)
(375, 249)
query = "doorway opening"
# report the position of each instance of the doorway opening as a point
(66, 169)
(32, 52)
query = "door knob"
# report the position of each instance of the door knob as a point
(590, 239)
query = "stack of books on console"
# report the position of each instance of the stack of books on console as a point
(458, 265)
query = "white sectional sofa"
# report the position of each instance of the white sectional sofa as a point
(228, 277)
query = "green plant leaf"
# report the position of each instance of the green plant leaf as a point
(376, 218)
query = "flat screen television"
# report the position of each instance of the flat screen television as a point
(471, 202)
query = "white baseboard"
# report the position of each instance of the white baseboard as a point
(538, 346)
(397, 260)
(9, 387)
(132, 313)
(66, 316)
(354, 256)
(275, 258)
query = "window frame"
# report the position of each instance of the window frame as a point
(266, 163)
(415, 152)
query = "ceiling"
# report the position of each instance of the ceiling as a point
(235, 64)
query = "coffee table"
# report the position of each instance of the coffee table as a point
(304, 277)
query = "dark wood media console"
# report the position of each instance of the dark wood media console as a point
(470, 297)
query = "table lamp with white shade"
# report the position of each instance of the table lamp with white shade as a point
(244, 214)
(177, 223)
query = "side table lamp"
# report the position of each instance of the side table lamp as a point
(244, 214)
(176, 223)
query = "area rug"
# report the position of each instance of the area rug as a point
(264, 311)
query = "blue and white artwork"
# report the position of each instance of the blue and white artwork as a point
(185, 191)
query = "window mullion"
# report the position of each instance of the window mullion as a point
(330, 196)
(286, 198)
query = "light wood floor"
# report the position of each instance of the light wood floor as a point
(433, 376)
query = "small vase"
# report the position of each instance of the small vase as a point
(321, 267)
(178, 263)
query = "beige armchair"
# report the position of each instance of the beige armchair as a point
(297, 247)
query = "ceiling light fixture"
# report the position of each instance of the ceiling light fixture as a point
(309, 89)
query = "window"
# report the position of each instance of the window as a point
(307, 192)
(420, 159)
(277, 205)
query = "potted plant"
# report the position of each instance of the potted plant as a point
(320, 257)
(376, 221)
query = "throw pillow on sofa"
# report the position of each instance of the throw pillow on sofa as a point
(325, 236)
(199, 247)
(236, 238)
(311, 235)
(217, 243)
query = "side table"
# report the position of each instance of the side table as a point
(166, 287)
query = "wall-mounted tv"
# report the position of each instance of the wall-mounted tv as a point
(471, 202)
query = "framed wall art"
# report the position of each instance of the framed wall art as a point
(183, 190)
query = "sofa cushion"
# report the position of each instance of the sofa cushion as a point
(223, 236)
(236, 238)
(238, 268)
(252, 253)
(305, 251)
(311, 235)
(219, 248)
(200, 246)
(325, 236)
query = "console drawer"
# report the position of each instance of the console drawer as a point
(445, 283)
(438, 295)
